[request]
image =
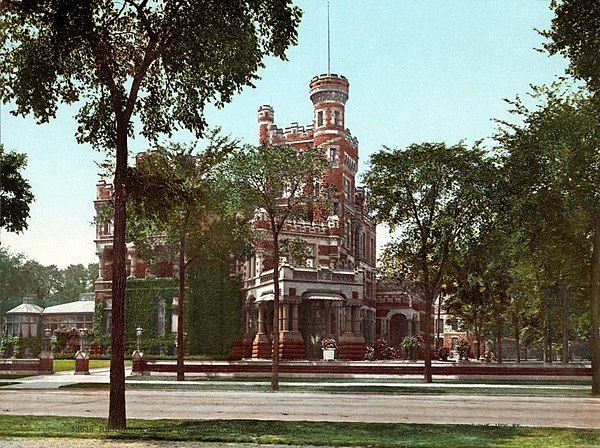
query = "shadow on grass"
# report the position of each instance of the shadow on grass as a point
(302, 433)
(332, 388)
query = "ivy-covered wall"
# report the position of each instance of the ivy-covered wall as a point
(144, 298)
(212, 308)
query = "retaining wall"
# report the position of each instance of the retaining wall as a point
(365, 368)
(27, 366)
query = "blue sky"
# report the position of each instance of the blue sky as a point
(419, 71)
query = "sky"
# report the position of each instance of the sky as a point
(419, 71)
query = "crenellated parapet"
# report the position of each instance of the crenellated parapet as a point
(291, 134)
(329, 88)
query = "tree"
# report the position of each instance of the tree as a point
(12, 287)
(552, 164)
(284, 183)
(161, 62)
(15, 192)
(74, 280)
(575, 33)
(433, 195)
(169, 198)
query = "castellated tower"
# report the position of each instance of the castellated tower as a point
(331, 295)
(266, 115)
(328, 94)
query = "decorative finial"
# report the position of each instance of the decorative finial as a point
(328, 43)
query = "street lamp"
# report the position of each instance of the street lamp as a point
(47, 334)
(138, 332)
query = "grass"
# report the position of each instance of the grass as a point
(526, 389)
(12, 377)
(302, 433)
(61, 365)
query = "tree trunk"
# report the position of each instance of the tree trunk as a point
(427, 371)
(477, 349)
(116, 408)
(595, 289)
(517, 339)
(564, 294)
(437, 327)
(547, 331)
(499, 339)
(275, 371)
(180, 301)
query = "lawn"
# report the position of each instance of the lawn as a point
(61, 365)
(401, 386)
(302, 433)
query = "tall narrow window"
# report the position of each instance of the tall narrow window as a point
(337, 117)
(334, 157)
(319, 118)
(347, 187)
(363, 244)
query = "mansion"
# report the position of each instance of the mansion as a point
(336, 293)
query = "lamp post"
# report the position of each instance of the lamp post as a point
(138, 332)
(138, 361)
(46, 358)
(82, 358)
(47, 334)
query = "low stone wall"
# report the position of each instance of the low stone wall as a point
(363, 368)
(26, 366)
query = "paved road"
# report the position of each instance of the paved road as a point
(41, 396)
(311, 406)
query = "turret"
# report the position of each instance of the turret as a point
(266, 116)
(329, 94)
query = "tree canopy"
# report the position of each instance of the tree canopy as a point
(551, 164)
(15, 191)
(433, 196)
(171, 197)
(283, 183)
(159, 61)
(575, 33)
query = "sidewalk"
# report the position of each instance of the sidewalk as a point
(59, 379)
(102, 376)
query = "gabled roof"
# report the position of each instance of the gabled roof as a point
(26, 308)
(79, 307)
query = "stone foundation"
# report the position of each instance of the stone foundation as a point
(291, 346)
(261, 347)
(240, 350)
(352, 350)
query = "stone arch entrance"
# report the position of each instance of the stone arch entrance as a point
(319, 318)
(399, 328)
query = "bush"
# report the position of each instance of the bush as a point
(442, 353)
(409, 346)
(462, 347)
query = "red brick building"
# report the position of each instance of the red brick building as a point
(333, 292)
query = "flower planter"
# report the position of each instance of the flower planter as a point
(328, 354)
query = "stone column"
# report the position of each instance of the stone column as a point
(261, 319)
(295, 316)
(101, 266)
(291, 342)
(356, 321)
(285, 317)
(352, 342)
(261, 348)
(348, 321)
